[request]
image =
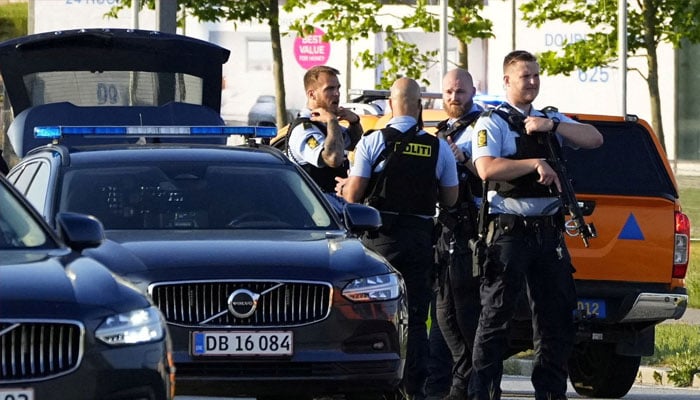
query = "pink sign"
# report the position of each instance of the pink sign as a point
(311, 50)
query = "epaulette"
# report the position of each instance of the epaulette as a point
(308, 125)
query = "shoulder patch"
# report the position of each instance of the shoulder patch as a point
(312, 142)
(481, 138)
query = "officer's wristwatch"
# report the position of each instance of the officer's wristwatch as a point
(555, 124)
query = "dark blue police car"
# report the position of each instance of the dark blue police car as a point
(70, 328)
(266, 289)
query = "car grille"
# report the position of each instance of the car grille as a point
(38, 350)
(207, 303)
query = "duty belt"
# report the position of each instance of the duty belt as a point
(508, 223)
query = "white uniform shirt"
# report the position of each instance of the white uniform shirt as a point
(306, 144)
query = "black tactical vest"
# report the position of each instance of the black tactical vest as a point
(469, 183)
(526, 146)
(408, 184)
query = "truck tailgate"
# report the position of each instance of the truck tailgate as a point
(634, 243)
(630, 195)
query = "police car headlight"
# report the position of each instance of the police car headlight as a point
(138, 326)
(373, 288)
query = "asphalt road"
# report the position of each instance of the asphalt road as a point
(690, 317)
(520, 388)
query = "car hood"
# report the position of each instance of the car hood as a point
(239, 254)
(45, 285)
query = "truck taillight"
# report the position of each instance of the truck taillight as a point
(681, 248)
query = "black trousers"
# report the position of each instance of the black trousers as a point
(440, 362)
(457, 304)
(530, 257)
(406, 242)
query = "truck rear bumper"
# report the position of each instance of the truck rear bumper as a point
(657, 306)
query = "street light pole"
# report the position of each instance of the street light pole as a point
(622, 50)
(166, 16)
(135, 6)
(443, 39)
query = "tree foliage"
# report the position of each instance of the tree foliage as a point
(13, 23)
(13, 20)
(349, 20)
(649, 24)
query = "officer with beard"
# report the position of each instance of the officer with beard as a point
(457, 297)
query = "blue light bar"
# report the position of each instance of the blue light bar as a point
(55, 132)
(489, 99)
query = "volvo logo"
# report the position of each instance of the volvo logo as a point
(242, 303)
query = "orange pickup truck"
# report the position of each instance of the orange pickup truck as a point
(632, 275)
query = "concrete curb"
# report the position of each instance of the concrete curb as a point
(653, 376)
(658, 376)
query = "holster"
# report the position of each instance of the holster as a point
(448, 219)
(460, 220)
(479, 250)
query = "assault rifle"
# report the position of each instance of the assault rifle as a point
(577, 226)
(567, 195)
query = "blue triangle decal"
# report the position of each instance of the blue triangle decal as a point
(631, 230)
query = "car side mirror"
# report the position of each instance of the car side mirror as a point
(361, 218)
(80, 231)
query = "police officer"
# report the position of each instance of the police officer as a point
(525, 241)
(457, 299)
(316, 140)
(403, 172)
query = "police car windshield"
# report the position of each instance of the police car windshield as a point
(193, 196)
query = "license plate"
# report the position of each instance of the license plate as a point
(242, 343)
(17, 394)
(592, 308)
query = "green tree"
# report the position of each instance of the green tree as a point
(649, 24)
(348, 20)
(13, 20)
(13, 23)
(466, 24)
(235, 11)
